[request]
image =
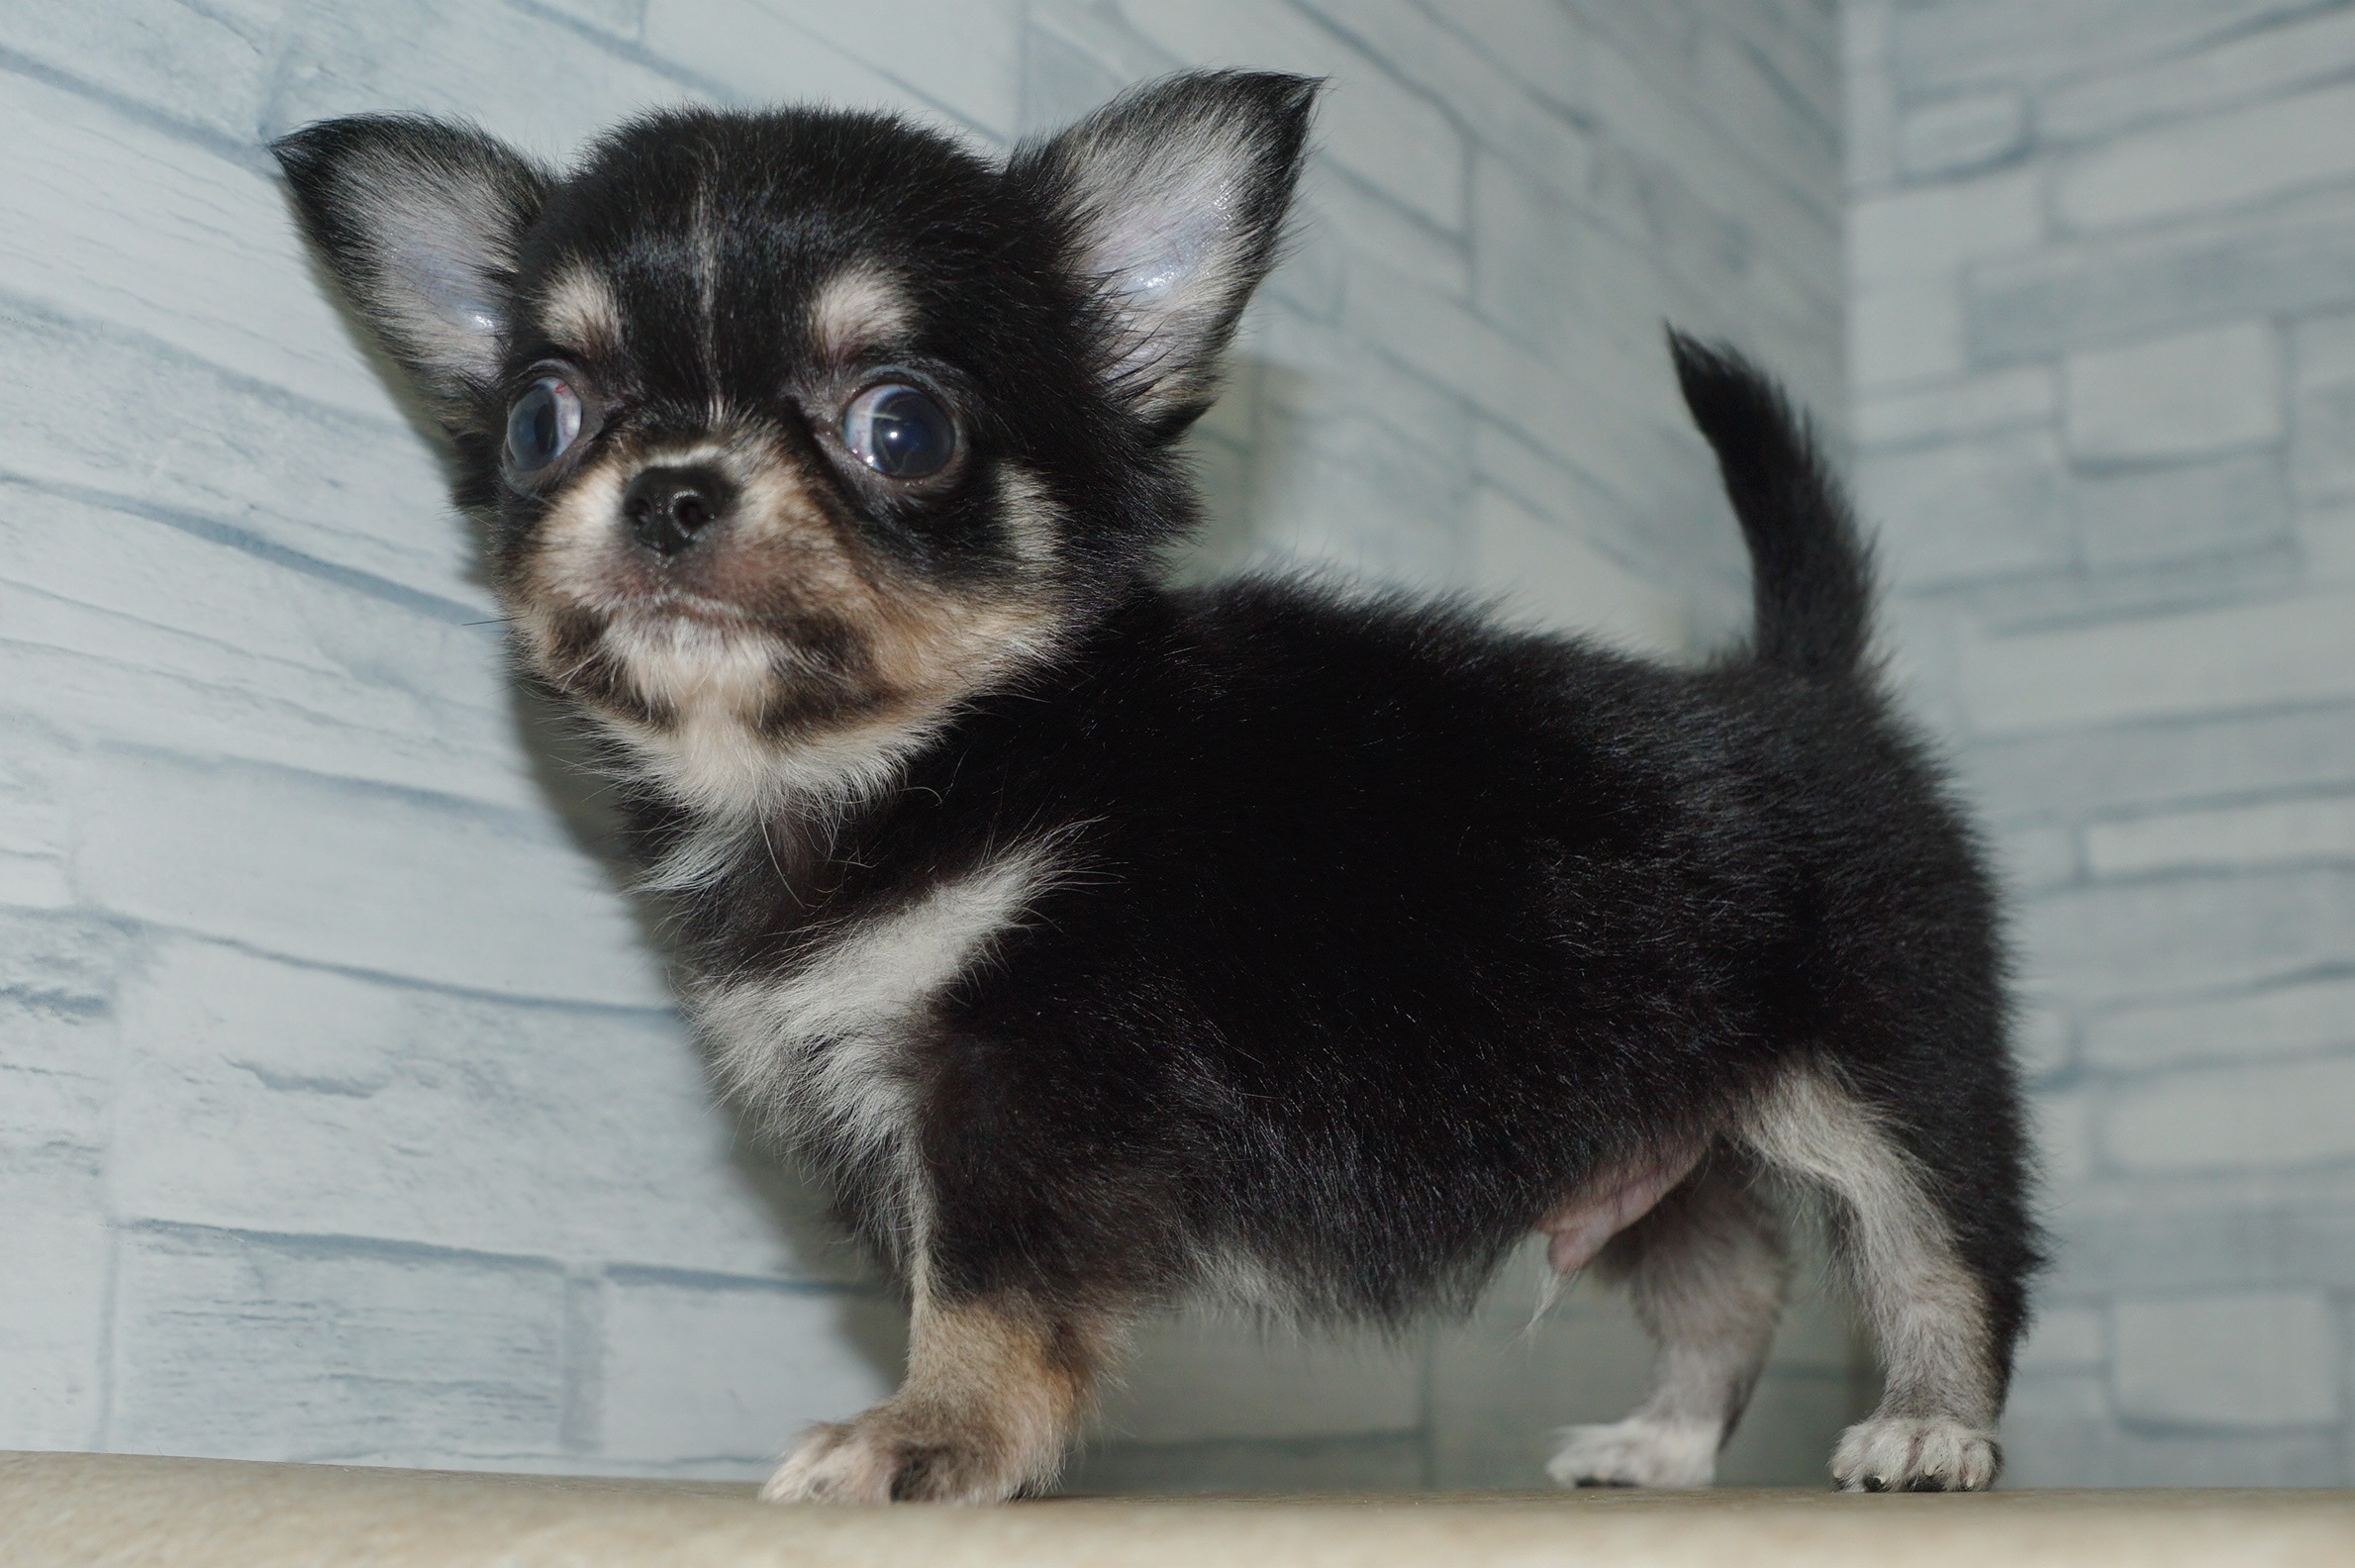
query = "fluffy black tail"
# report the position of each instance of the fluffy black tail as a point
(1811, 573)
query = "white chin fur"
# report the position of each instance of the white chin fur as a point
(711, 758)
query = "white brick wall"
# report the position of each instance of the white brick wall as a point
(341, 1112)
(2191, 395)
(2244, 1360)
(2113, 452)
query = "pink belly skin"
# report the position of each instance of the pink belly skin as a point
(1577, 1231)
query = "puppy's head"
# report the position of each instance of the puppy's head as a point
(794, 430)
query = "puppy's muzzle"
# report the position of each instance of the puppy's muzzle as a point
(668, 509)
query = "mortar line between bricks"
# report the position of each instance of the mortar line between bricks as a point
(246, 154)
(1616, 539)
(139, 672)
(2234, 32)
(2240, 990)
(626, 1273)
(467, 806)
(1554, 108)
(1380, 59)
(1366, 190)
(631, 51)
(1834, 135)
(398, 981)
(2175, 1068)
(1437, 390)
(2187, 718)
(1806, 282)
(339, 1243)
(635, 53)
(2147, 725)
(1729, 140)
(34, 311)
(2204, 875)
(622, 45)
(1518, 428)
(1833, 132)
(2267, 579)
(244, 540)
(46, 595)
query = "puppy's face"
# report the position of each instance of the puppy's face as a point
(775, 488)
(796, 430)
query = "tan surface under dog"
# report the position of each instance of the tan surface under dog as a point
(110, 1511)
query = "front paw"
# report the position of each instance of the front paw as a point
(833, 1463)
(1640, 1451)
(885, 1457)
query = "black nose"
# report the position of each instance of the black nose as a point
(670, 508)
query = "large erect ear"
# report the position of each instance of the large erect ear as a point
(419, 220)
(1174, 194)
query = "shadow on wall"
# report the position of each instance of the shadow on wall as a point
(1469, 1403)
(1246, 458)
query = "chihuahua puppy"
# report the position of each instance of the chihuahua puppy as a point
(1097, 942)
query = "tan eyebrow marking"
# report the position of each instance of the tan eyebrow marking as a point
(577, 309)
(858, 308)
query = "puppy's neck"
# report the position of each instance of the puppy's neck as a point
(723, 771)
(731, 791)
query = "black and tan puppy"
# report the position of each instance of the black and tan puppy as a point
(1097, 943)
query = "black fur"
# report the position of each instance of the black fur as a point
(1376, 931)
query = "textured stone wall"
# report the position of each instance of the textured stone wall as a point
(342, 1114)
(2103, 351)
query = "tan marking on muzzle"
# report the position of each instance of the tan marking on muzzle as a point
(736, 708)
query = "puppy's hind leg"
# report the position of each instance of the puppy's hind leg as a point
(1944, 1348)
(1708, 1271)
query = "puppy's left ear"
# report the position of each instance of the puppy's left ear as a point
(420, 220)
(1173, 195)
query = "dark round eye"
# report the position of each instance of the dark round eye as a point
(544, 423)
(899, 432)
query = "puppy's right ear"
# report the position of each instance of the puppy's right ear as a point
(1172, 196)
(420, 220)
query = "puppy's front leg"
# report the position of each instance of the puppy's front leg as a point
(996, 1389)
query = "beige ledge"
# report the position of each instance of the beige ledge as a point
(111, 1511)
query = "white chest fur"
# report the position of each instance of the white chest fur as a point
(820, 1049)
